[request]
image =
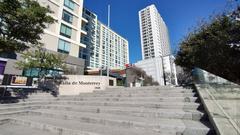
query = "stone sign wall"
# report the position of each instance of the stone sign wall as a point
(76, 84)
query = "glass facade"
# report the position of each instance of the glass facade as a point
(221, 98)
(65, 31)
(63, 46)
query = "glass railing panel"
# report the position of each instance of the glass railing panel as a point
(223, 92)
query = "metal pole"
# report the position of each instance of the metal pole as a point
(109, 11)
(101, 71)
(164, 77)
(108, 59)
(126, 77)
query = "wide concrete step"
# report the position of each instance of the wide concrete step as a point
(13, 108)
(146, 91)
(34, 106)
(121, 94)
(46, 95)
(74, 127)
(170, 105)
(134, 111)
(115, 119)
(137, 95)
(8, 128)
(145, 99)
(110, 121)
(182, 105)
(129, 111)
(4, 115)
(147, 88)
(45, 127)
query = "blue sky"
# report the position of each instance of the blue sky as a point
(179, 15)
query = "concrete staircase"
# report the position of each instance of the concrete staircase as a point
(115, 111)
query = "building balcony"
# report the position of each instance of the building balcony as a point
(83, 32)
(84, 20)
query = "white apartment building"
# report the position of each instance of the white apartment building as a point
(156, 54)
(103, 45)
(63, 36)
(154, 33)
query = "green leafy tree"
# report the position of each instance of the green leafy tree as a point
(184, 77)
(21, 24)
(136, 73)
(169, 78)
(214, 47)
(42, 60)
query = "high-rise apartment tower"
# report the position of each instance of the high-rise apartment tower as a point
(156, 53)
(154, 33)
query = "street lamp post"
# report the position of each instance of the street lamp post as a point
(108, 59)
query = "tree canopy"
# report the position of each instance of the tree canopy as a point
(21, 24)
(214, 47)
(138, 73)
(42, 60)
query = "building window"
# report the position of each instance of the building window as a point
(66, 31)
(32, 72)
(63, 46)
(84, 57)
(70, 4)
(2, 67)
(67, 17)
